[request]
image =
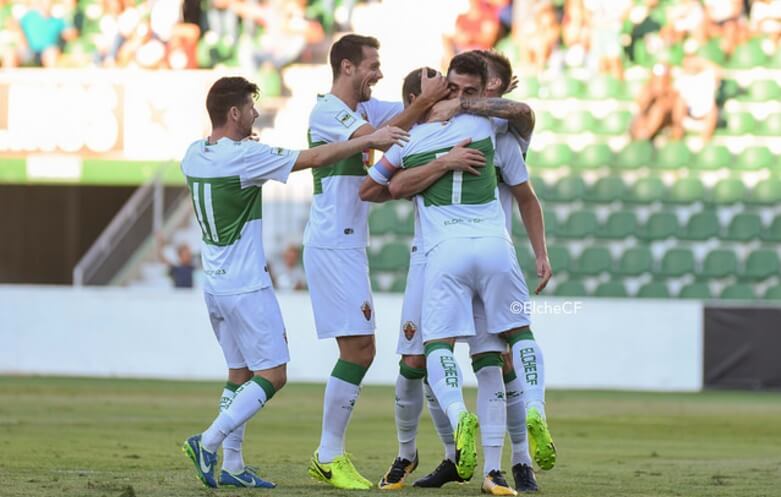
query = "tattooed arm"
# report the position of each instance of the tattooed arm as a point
(518, 114)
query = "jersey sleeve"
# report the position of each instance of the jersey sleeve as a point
(513, 166)
(379, 112)
(334, 124)
(263, 163)
(387, 166)
(500, 126)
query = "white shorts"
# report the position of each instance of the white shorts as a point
(249, 328)
(483, 341)
(339, 286)
(410, 336)
(460, 269)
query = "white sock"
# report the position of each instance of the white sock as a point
(445, 380)
(516, 420)
(409, 406)
(530, 367)
(249, 399)
(441, 423)
(491, 410)
(232, 458)
(341, 393)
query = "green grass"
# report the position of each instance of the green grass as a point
(94, 438)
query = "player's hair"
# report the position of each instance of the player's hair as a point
(469, 63)
(350, 47)
(499, 64)
(226, 93)
(412, 82)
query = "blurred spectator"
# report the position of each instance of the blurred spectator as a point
(727, 22)
(539, 35)
(224, 21)
(697, 85)
(655, 105)
(766, 20)
(289, 275)
(686, 18)
(575, 34)
(45, 28)
(12, 41)
(181, 268)
(478, 28)
(605, 20)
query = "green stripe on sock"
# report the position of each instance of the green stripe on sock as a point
(511, 376)
(525, 334)
(349, 372)
(432, 346)
(486, 360)
(411, 373)
(232, 387)
(266, 386)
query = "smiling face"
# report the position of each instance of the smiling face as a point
(366, 74)
(464, 85)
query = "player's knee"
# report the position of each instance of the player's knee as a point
(358, 350)
(486, 359)
(507, 359)
(414, 361)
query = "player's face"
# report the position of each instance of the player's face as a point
(464, 85)
(367, 74)
(247, 116)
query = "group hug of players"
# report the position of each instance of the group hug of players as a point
(456, 149)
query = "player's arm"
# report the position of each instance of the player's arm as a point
(518, 114)
(409, 182)
(533, 220)
(375, 186)
(324, 155)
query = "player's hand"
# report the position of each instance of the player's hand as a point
(513, 85)
(544, 273)
(461, 158)
(433, 89)
(445, 109)
(387, 136)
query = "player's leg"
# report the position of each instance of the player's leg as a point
(232, 457)
(446, 471)
(521, 462)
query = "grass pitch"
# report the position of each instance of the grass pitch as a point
(122, 438)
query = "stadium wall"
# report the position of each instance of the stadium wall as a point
(605, 344)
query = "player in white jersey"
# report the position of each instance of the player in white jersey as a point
(336, 237)
(224, 174)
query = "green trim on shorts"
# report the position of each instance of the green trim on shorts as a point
(411, 373)
(266, 386)
(232, 387)
(509, 377)
(486, 360)
(349, 372)
(432, 346)
(525, 334)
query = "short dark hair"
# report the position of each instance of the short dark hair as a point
(412, 82)
(499, 64)
(350, 47)
(469, 63)
(226, 93)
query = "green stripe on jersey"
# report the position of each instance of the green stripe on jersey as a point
(351, 166)
(457, 187)
(222, 207)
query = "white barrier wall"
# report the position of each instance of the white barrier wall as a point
(606, 344)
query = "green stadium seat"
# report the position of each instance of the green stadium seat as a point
(383, 220)
(569, 189)
(399, 284)
(577, 122)
(772, 125)
(775, 61)
(518, 229)
(593, 261)
(615, 123)
(551, 221)
(660, 226)
(727, 191)
(594, 156)
(559, 258)
(719, 263)
(697, 290)
(738, 291)
(677, 262)
(528, 87)
(606, 190)
(762, 264)
(701, 226)
(674, 155)
(766, 192)
(525, 255)
(545, 121)
(393, 256)
(541, 188)
(748, 56)
(773, 232)
(406, 226)
(635, 155)
(755, 159)
(764, 90)
(635, 261)
(686, 191)
(564, 87)
(744, 227)
(570, 288)
(654, 290)
(618, 226)
(646, 191)
(728, 89)
(713, 157)
(713, 52)
(553, 156)
(741, 123)
(604, 88)
(773, 293)
(611, 289)
(579, 224)
(270, 81)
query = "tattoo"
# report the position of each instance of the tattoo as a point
(518, 114)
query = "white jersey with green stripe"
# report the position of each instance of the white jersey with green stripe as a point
(225, 180)
(458, 204)
(510, 162)
(338, 217)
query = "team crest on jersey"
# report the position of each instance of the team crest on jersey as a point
(278, 151)
(345, 119)
(409, 330)
(366, 309)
